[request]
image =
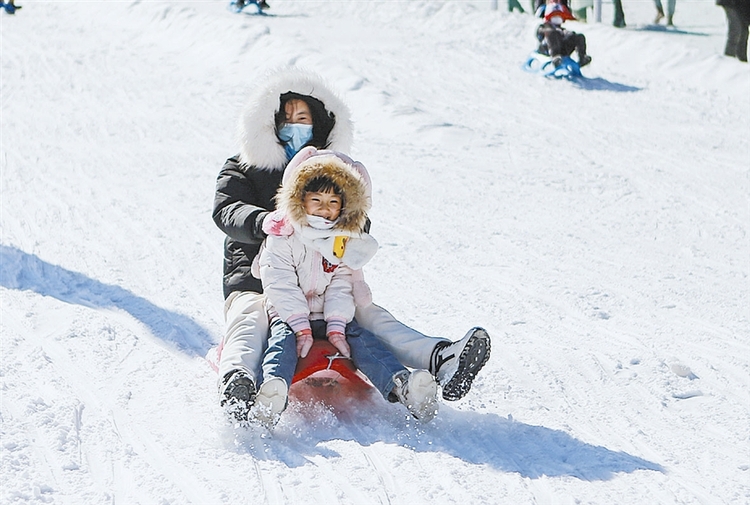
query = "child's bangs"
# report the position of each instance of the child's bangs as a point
(323, 184)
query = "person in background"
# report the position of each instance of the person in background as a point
(660, 12)
(514, 4)
(619, 21)
(738, 25)
(10, 6)
(238, 5)
(554, 40)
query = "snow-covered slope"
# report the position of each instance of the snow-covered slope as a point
(599, 231)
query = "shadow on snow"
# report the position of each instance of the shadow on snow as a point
(475, 438)
(25, 271)
(670, 30)
(582, 82)
(599, 84)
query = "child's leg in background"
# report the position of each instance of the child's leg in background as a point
(554, 39)
(573, 41)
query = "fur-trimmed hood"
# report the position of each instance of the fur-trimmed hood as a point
(259, 145)
(350, 176)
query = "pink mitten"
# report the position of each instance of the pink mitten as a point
(304, 342)
(338, 340)
(276, 224)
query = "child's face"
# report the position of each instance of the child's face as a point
(326, 205)
(296, 111)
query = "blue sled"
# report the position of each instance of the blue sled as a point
(9, 7)
(234, 7)
(542, 64)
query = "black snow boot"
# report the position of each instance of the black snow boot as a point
(237, 394)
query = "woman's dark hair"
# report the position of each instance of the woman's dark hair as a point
(323, 120)
(324, 184)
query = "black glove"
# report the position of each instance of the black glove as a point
(258, 225)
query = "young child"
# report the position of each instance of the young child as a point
(309, 265)
(554, 40)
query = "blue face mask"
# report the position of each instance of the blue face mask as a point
(296, 136)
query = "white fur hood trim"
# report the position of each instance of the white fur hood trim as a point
(259, 146)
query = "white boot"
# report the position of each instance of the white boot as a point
(417, 391)
(270, 402)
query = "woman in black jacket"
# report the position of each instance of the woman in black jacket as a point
(271, 132)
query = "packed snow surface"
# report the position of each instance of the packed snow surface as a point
(597, 229)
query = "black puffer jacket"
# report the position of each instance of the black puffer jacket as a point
(247, 184)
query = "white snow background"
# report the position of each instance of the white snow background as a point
(599, 231)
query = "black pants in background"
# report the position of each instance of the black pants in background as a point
(737, 34)
(559, 42)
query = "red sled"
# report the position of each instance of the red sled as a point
(323, 374)
(325, 364)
